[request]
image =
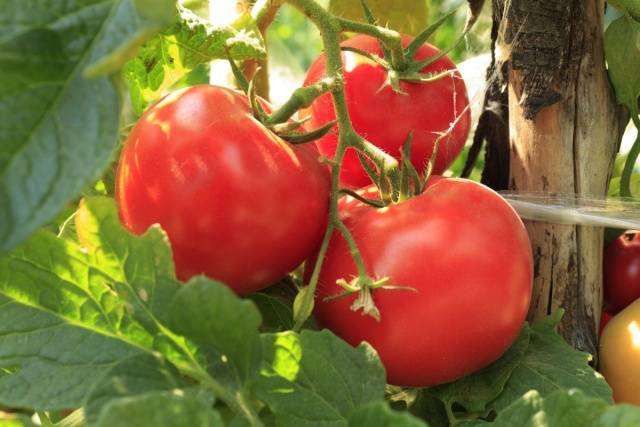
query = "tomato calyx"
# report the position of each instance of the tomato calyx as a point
(412, 73)
(364, 287)
(296, 137)
(376, 203)
(404, 183)
(410, 69)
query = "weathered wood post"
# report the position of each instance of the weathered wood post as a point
(563, 132)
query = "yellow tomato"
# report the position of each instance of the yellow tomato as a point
(620, 354)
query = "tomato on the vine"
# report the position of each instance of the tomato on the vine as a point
(621, 272)
(466, 254)
(385, 117)
(237, 202)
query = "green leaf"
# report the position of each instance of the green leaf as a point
(71, 310)
(159, 409)
(58, 325)
(622, 51)
(560, 408)
(200, 42)
(475, 391)
(134, 22)
(422, 405)
(550, 364)
(190, 42)
(133, 376)
(55, 137)
(74, 313)
(74, 419)
(631, 6)
(277, 315)
(224, 326)
(619, 416)
(140, 269)
(316, 379)
(378, 414)
(53, 361)
(405, 16)
(566, 408)
(17, 421)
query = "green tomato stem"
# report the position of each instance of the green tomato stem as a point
(450, 415)
(390, 38)
(625, 179)
(308, 297)
(353, 249)
(237, 402)
(45, 421)
(386, 163)
(191, 367)
(74, 419)
(302, 97)
(263, 12)
(330, 28)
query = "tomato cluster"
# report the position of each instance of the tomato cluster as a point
(241, 205)
(620, 323)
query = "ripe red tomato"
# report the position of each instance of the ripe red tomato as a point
(385, 117)
(467, 255)
(237, 202)
(621, 271)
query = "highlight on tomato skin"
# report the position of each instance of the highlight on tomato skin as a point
(464, 251)
(238, 203)
(385, 117)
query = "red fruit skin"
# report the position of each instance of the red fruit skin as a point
(621, 272)
(237, 203)
(385, 117)
(467, 255)
(605, 317)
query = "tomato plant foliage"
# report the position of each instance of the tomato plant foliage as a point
(99, 321)
(61, 110)
(54, 135)
(95, 320)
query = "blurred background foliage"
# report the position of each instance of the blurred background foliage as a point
(293, 42)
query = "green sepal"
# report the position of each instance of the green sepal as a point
(303, 137)
(420, 39)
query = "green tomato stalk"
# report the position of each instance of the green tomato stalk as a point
(393, 183)
(330, 28)
(625, 179)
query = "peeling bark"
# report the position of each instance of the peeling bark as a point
(493, 123)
